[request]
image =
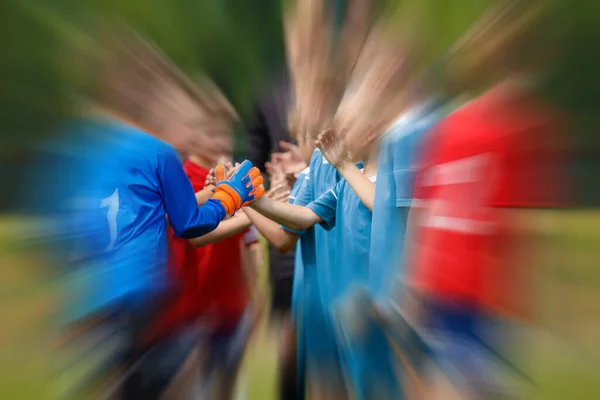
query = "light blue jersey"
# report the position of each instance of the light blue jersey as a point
(316, 248)
(317, 178)
(373, 364)
(398, 156)
(298, 197)
(324, 177)
(341, 208)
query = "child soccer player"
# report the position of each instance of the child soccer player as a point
(315, 246)
(214, 283)
(377, 375)
(136, 187)
(337, 206)
(486, 164)
(381, 96)
(316, 99)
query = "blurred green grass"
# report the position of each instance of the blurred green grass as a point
(562, 353)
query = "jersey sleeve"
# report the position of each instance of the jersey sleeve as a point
(302, 192)
(395, 172)
(424, 160)
(187, 219)
(325, 206)
(404, 154)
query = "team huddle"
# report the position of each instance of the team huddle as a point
(405, 209)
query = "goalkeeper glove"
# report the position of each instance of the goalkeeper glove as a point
(243, 187)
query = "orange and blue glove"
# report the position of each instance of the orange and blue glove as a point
(242, 188)
(258, 188)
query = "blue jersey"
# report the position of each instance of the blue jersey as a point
(60, 175)
(348, 254)
(118, 207)
(399, 153)
(317, 333)
(323, 177)
(297, 197)
(370, 361)
(319, 177)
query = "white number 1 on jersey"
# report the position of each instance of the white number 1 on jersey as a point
(112, 203)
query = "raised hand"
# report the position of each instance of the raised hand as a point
(333, 147)
(293, 151)
(241, 188)
(220, 172)
(291, 160)
(279, 192)
(275, 170)
(256, 182)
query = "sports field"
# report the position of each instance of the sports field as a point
(561, 354)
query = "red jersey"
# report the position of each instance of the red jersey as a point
(209, 279)
(492, 154)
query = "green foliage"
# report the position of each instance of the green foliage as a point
(235, 42)
(232, 41)
(573, 84)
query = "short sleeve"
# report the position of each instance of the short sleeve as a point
(385, 177)
(405, 156)
(302, 192)
(404, 184)
(404, 164)
(326, 206)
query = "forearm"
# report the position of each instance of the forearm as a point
(203, 219)
(248, 269)
(187, 219)
(203, 195)
(278, 237)
(360, 184)
(226, 229)
(294, 217)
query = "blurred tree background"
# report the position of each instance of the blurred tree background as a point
(236, 43)
(232, 41)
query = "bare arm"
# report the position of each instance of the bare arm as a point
(334, 149)
(227, 228)
(360, 184)
(203, 195)
(281, 239)
(292, 216)
(248, 268)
